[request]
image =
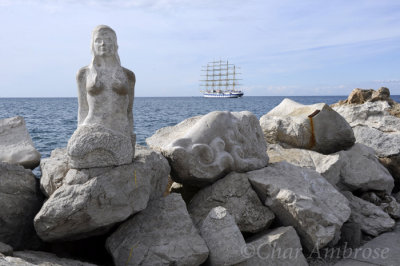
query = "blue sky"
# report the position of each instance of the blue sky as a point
(285, 47)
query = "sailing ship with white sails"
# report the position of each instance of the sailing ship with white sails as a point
(220, 80)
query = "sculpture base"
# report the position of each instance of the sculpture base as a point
(96, 146)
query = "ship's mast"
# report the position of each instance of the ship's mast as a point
(220, 74)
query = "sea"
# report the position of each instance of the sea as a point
(52, 121)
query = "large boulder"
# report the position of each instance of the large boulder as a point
(302, 198)
(235, 194)
(329, 166)
(372, 114)
(375, 126)
(223, 238)
(20, 200)
(54, 169)
(204, 149)
(352, 169)
(281, 246)
(90, 201)
(162, 234)
(362, 170)
(315, 127)
(16, 146)
(372, 219)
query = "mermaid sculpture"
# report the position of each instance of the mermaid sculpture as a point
(104, 136)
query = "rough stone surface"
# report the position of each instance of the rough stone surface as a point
(383, 250)
(355, 168)
(391, 206)
(104, 136)
(90, 201)
(204, 149)
(44, 258)
(16, 146)
(20, 200)
(54, 169)
(234, 193)
(372, 219)
(304, 199)
(162, 234)
(280, 246)
(6, 249)
(7, 261)
(360, 96)
(386, 202)
(374, 126)
(329, 166)
(315, 127)
(362, 170)
(371, 114)
(223, 238)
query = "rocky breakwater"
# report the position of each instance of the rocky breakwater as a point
(356, 171)
(376, 123)
(243, 205)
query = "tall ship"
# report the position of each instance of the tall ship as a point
(220, 80)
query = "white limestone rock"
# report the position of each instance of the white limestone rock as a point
(362, 170)
(370, 217)
(386, 144)
(162, 234)
(315, 127)
(329, 166)
(374, 126)
(235, 194)
(20, 200)
(90, 201)
(372, 114)
(302, 198)
(16, 146)
(223, 238)
(104, 136)
(54, 169)
(204, 149)
(355, 168)
(281, 246)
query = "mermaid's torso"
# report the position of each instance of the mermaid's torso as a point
(108, 101)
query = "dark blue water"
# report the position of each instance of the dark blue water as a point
(51, 121)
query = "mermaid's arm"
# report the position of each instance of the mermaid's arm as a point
(83, 107)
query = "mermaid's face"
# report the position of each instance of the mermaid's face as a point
(104, 43)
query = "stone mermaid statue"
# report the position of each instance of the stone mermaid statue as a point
(104, 136)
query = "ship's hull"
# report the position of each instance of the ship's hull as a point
(222, 95)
